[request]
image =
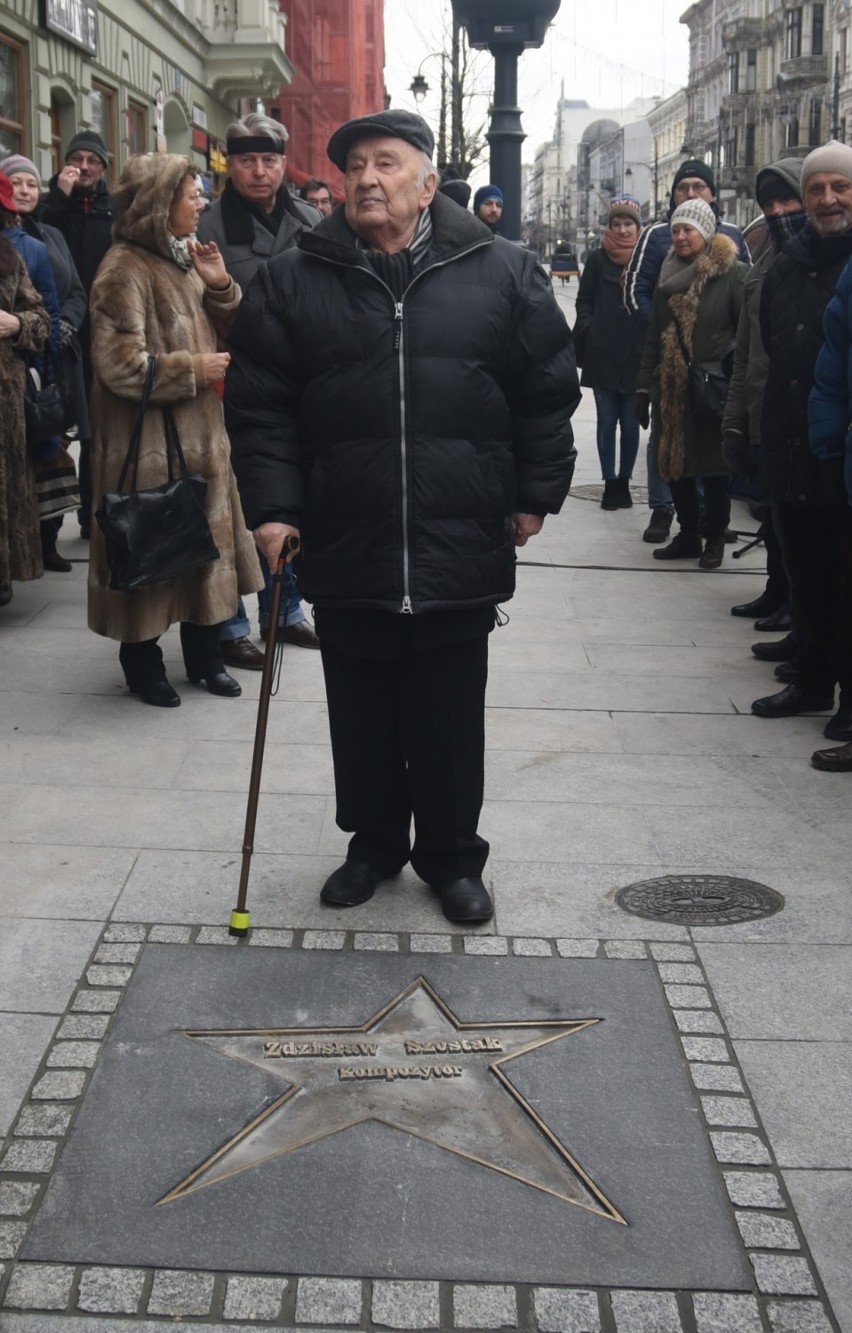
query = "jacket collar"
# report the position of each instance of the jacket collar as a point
(814, 251)
(454, 231)
(238, 216)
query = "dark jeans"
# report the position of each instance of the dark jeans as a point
(616, 409)
(408, 737)
(816, 542)
(717, 505)
(142, 663)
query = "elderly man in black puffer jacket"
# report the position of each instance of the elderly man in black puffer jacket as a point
(400, 397)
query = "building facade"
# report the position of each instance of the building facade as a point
(146, 74)
(337, 49)
(667, 126)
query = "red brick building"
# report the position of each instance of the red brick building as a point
(337, 50)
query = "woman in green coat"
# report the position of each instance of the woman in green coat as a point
(694, 316)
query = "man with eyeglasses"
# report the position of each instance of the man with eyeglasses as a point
(319, 194)
(79, 205)
(256, 217)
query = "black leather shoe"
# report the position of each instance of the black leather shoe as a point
(159, 693)
(465, 900)
(685, 546)
(780, 650)
(219, 682)
(792, 701)
(839, 727)
(352, 883)
(780, 622)
(833, 761)
(764, 605)
(241, 653)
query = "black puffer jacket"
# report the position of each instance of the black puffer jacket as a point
(795, 292)
(401, 437)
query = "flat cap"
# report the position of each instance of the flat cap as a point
(405, 125)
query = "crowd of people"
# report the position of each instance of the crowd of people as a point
(328, 376)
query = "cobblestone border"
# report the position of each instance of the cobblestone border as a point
(787, 1296)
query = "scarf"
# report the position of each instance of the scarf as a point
(618, 248)
(678, 275)
(179, 246)
(396, 270)
(784, 227)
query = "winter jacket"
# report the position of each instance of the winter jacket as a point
(35, 256)
(243, 239)
(401, 436)
(708, 313)
(643, 271)
(85, 220)
(751, 364)
(795, 293)
(607, 342)
(830, 404)
(144, 304)
(73, 309)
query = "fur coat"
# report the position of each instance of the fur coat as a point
(143, 303)
(20, 545)
(708, 312)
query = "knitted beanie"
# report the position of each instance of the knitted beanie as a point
(695, 167)
(17, 162)
(833, 156)
(486, 192)
(88, 141)
(625, 206)
(695, 213)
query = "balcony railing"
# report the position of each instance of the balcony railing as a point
(738, 34)
(811, 69)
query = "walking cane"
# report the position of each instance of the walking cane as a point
(240, 918)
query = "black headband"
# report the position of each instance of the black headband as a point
(254, 143)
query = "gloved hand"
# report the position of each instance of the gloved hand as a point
(739, 455)
(643, 410)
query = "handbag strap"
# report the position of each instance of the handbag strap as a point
(680, 338)
(132, 455)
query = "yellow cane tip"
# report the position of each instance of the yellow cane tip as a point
(239, 923)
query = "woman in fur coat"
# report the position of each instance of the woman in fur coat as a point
(159, 293)
(700, 289)
(24, 327)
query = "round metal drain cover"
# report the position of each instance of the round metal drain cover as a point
(594, 491)
(699, 900)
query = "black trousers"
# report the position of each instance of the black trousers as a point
(717, 504)
(408, 737)
(142, 663)
(816, 543)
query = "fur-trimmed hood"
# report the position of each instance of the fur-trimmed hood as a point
(143, 197)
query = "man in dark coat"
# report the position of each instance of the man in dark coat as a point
(399, 397)
(694, 180)
(257, 217)
(795, 293)
(79, 205)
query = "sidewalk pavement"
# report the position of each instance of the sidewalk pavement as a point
(620, 747)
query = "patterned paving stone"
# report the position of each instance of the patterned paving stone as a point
(716, 1078)
(688, 997)
(323, 939)
(16, 1197)
(257, 1298)
(762, 1231)
(271, 939)
(798, 1317)
(88, 1027)
(124, 934)
(750, 1189)
(39, 1287)
(646, 1312)
(559, 1311)
(328, 1300)
(48, 1120)
(29, 1155)
(484, 945)
(111, 1290)
(718, 1312)
(58, 1086)
(108, 975)
(671, 953)
(531, 948)
(96, 1002)
(484, 1306)
(625, 949)
(697, 1020)
(406, 1305)
(117, 953)
(170, 934)
(373, 940)
(745, 1148)
(73, 1055)
(431, 944)
(705, 1049)
(176, 1294)
(11, 1235)
(783, 1275)
(728, 1111)
(577, 948)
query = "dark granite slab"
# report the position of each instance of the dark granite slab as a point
(371, 1200)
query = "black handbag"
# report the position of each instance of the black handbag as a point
(708, 389)
(161, 533)
(44, 401)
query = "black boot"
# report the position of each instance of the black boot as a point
(764, 605)
(609, 499)
(685, 546)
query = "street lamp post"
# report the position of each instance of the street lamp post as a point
(506, 28)
(419, 89)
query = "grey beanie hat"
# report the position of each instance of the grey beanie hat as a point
(17, 162)
(833, 156)
(698, 214)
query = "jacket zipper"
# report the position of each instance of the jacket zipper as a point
(406, 608)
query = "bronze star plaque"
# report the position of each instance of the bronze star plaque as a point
(413, 1066)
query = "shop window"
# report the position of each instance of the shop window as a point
(11, 108)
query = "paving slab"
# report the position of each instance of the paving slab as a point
(40, 962)
(62, 882)
(798, 1085)
(764, 989)
(821, 1198)
(617, 1093)
(24, 1038)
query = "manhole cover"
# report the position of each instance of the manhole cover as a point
(699, 900)
(594, 491)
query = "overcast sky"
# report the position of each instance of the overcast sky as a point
(609, 52)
